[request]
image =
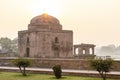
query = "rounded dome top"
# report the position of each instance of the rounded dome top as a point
(46, 22)
(44, 19)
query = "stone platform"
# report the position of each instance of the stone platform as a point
(75, 64)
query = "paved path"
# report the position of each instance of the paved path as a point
(63, 70)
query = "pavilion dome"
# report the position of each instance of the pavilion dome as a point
(45, 21)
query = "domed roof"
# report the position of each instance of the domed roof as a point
(45, 21)
(44, 18)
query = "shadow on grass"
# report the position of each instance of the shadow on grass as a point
(54, 78)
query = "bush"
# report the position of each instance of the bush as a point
(102, 66)
(57, 71)
(22, 64)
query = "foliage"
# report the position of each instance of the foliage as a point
(57, 71)
(102, 66)
(5, 44)
(14, 46)
(9, 46)
(22, 64)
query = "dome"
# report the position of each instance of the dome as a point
(44, 18)
(45, 21)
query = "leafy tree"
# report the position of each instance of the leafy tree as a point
(5, 44)
(14, 46)
(102, 66)
(57, 71)
(9, 46)
(22, 64)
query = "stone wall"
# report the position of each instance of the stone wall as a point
(80, 64)
(65, 63)
(45, 44)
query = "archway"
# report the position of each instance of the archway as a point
(84, 52)
(27, 52)
(56, 40)
(90, 51)
(76, 51)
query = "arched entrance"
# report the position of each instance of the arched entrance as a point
(27, 52)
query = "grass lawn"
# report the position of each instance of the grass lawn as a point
(18, 76)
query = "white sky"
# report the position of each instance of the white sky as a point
(92, 21)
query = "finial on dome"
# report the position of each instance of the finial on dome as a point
(44, 11)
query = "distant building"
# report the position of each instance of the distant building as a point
(84, 51)
(45, 39)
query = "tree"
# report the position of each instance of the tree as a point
(22, 64)
(9, 46)
(5, 44)
(102, 66)
(14, 46)
(57, 71)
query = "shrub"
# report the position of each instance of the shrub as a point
(57, 71)
(22, 64)
(102, 66)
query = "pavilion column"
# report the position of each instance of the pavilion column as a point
(74, 50)
(87, 51)
(93, 51)
(79, 51)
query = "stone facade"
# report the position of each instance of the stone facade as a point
(45, 39)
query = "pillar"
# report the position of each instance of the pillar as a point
(74, 50)
(92, 50)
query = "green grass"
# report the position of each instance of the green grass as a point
(18, 76)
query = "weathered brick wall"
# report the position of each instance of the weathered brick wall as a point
(65, 63)
(81, 64)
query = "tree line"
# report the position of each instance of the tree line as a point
(8, 46)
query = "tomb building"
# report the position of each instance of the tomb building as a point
(45, 38)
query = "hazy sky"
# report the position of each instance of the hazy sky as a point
(92, 21)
